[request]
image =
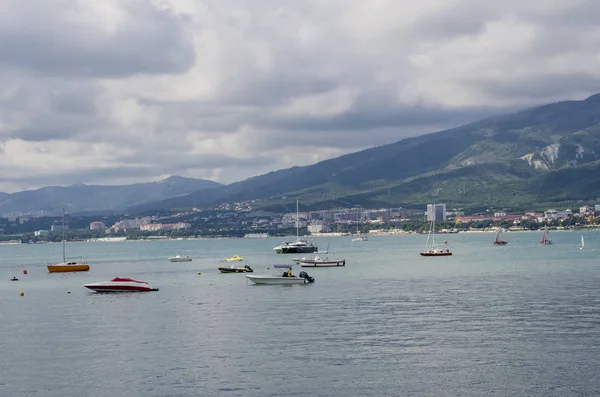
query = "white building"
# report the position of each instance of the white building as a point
(554, 214)
(436, 212)
(152, 227)
(318, 228)
(97, 225)
(586, 209)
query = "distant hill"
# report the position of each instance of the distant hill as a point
(548, 155)
(95, 198)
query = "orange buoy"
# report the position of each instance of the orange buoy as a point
(24, 271)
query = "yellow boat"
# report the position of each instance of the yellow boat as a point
(234, 258)
(71, 266)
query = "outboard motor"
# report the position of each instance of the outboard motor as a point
(249, 269)
(305, 276)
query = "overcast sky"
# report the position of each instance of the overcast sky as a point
(119, 91)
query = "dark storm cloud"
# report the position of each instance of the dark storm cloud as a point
(81, 175)
(539, 88)
(46, 41)
(271, 86)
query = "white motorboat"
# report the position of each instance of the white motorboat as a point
(121, 284)
(285, 277)
(317, 261)
(179, 258)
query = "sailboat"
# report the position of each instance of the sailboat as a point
(300, 246)
(67, 266)
(430, 247)
(498, 240)
(359, 236)
(582, 243)
(546, 237)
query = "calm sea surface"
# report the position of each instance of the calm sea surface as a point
(519, 320)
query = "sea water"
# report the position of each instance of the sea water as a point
(515, 320)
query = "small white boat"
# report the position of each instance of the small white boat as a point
(317, 261)
(119, 284)
(179, 258)
(284, 278)
(360, 238)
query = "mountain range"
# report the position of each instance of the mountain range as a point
(532, 159)
(95, 198)
(538, 157)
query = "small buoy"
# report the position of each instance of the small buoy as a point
(68, 292)
(24, 271)
(14, 279)
(199, 273)
(22, 293)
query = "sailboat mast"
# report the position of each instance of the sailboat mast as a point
(63, 234)
(433, 228)
(297, 233)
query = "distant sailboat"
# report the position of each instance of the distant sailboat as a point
(67, 266)
(546, 237)
(498, 240)
(582, 243)
(430, 248)
(300, 246)
(359, 236)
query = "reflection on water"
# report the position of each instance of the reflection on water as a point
(519, 320)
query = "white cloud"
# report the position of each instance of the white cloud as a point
(122, 91)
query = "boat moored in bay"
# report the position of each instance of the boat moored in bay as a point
(121, 284)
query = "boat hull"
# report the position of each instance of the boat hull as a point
(276, 280)
(234, 259)
(435, 253)
(80, 267)
(234, 270)
(120, 287)
(180, 259)
(309, 263)
(500, 242)
(296, 250)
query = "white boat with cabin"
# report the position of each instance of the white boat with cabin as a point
(318, 261)
(285, 277)
(180, 258)
(300, 246)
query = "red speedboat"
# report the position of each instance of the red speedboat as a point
(121, 284)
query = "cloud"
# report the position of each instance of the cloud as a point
(93, 39)
(129, 91)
